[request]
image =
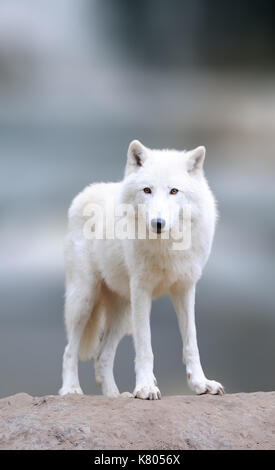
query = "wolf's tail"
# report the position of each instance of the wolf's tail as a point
(92, 333)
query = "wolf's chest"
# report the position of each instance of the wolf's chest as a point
(163, 272)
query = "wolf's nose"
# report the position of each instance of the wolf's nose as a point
(158, 225)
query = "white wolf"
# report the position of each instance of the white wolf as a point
(110, 283)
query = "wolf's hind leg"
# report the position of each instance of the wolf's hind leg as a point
(80, 301)
(117, 325)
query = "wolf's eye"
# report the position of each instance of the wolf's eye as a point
(174, 191)
(147, 190)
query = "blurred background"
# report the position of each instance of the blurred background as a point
(79, 79)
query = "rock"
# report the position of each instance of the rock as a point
(239, 421)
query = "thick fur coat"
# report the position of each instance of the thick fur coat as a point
(111, 280)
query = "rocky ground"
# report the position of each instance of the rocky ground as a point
(239, 421)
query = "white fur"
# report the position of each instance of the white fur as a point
(110, 284)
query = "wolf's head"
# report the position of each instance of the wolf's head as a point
(163, 181)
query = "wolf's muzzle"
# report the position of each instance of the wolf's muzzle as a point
(157, 225)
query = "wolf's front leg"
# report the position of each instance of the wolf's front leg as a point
(183, 297)
(141, 301)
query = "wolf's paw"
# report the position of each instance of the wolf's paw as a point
(111, 394)
(110, 390)
(127, 395)
(149, 392)
(206, 386)
(70, 390)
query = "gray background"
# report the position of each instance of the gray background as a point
(79, 80)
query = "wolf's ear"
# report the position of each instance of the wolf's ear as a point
(136, 156)
(195, 159)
